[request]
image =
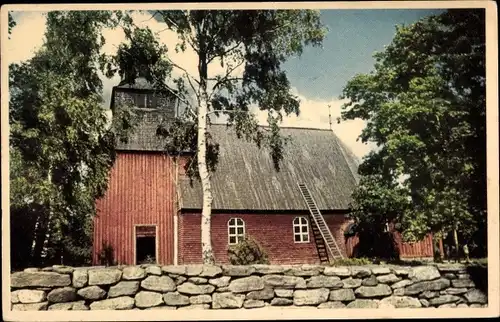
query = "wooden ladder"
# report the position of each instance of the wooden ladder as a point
(320, 222)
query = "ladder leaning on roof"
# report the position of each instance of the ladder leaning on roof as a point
(320, 222)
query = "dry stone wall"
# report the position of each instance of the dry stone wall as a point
(255, 286)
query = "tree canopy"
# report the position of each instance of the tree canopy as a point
(424, 104)
(61, 147)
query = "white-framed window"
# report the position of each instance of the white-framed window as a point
(300, 230)
(236, 230)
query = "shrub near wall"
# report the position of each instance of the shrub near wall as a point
(253, 286)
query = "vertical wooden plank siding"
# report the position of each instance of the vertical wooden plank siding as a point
(140, 192)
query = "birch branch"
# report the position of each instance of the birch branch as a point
(225, 52)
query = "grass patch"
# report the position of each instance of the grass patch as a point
(351, 261)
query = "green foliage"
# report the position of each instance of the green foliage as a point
(247, 251)
(260, 40)
(142, 55)
(61, 147)
(424, 105)
(351, 261)
(12, 23)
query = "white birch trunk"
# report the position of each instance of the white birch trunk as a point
(206, 214)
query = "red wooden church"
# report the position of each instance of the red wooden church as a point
(152, 209)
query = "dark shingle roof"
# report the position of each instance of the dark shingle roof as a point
(246, 179)
(138, 83)
(143, 137)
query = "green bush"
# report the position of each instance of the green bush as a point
(248, 251)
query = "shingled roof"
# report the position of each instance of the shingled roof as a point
(143, 137)
(246, 179)
(138, 83)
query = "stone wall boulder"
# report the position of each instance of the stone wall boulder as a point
(424, 273)
(31, 296)
(187, 287)
(400, 302)
(80, 278)
(194, 289)
(310, 297)
(123, 288)
(200, 299)
(476, 296)
(363, 304)
(220, 282)
(158, 284)
(40, 279)
(227, 300)
(30, 307)
(133, 273)
(419, 287)
(253, 304)
(283, 281)
(343, 295)
(104, 276)
(175, 299)
(351, 282)
(373, 291)
(337, 271)
(69, 306)
(265, 294)
(246, 284)
(117, 303)
(145, 299)
(64, 294)
(92, 292)
(324, 281)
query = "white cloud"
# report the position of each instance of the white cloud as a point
(27, 36)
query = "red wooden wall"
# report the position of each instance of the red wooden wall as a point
(140, 191)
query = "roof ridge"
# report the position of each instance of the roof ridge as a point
(286, 127)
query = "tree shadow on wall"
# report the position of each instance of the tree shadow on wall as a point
(380, 245)
(479, 275)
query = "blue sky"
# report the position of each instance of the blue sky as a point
(317, 77)
(353, 37)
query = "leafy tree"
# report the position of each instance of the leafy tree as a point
(258, 40)
(12, 23)
(61, 146)
(425, 109)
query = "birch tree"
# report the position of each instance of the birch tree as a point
(249, 46)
